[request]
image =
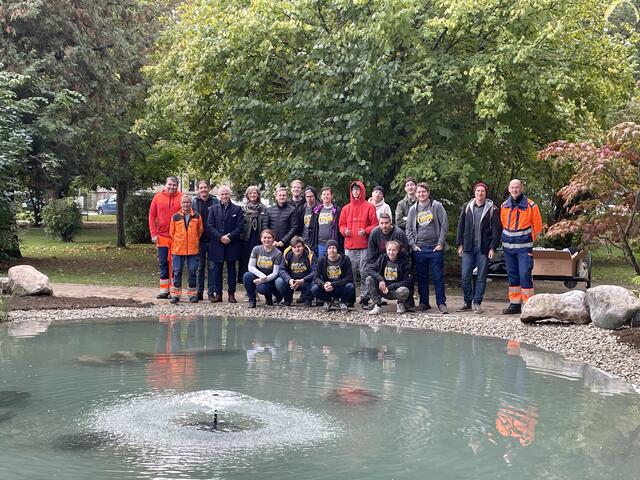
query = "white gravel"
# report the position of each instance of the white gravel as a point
(587, 343)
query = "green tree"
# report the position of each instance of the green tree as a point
(95, 49)
(330, 90)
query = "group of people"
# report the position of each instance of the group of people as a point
(306, 243)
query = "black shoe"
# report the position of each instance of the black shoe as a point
(319, 303)
(252, 304)
(307, 303)
(200, 296)
(193, 299)
(350, 304)
(422, 307)
(512, 309)
(442, 308)
(364, 301)
(268, 300)
(162, 296)
(175, 300)
(465, 307)
(285, 303)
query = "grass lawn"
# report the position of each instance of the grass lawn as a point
(91, 259)
(610, 268)
(94, 217)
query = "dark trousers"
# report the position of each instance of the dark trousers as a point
(163, 262)
(231, 276)
(178, 262)
(519, 263)
(267, 289)
(285, 290)
(345, 293)
(430, 265)
(205, 266)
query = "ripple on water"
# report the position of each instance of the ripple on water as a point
(162, 423)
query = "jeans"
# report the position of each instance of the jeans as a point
(322, 250)
(358, 265)
(519, 263)
(344, 292)
(430, 264)
(217, 276)
(401, 293)
(202, 265)
(267, 289)
(471, 260)
(192, 266)
(287, 294)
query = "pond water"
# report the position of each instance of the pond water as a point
(213, 397)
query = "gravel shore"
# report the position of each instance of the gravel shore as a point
(586, 343)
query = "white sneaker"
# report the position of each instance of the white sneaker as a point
(376, 310)
(400, 308)
(477, 309)
(344, 307)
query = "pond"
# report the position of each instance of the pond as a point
(215, 397)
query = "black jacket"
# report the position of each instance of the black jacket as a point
(225, 221)
(308, 258)
(378, 241)
(405, 274)
(313, 228)
(490, 228)
(202, 208)
(346, 275)
(283, 220)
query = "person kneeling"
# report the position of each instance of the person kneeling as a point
(390, 277)
(333, 278)
(264, 267)
(185, 231)
(297, 272)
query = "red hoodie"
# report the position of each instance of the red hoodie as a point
(163, 206)
(357, 214)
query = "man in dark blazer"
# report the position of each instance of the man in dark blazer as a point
(225, 226)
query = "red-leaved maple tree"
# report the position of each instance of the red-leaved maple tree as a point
(603, 195)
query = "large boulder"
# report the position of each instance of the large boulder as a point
(611, 306)
(570, 307)
(26, 280)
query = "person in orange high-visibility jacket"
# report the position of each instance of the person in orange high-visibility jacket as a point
(521, 224)
(163, 206)
(185, 231)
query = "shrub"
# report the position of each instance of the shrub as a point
(8, 229)
(62, 218)
(136, 218)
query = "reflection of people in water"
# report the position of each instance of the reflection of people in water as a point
(170, 367)
(518, 423)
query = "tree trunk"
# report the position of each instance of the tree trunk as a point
(122, 191)
(631, 258)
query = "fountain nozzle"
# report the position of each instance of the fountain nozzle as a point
(215, 419)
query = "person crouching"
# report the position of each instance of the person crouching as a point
(390, 277)
(264, 267)
(297, 272)
(333, 279)
(185, 231)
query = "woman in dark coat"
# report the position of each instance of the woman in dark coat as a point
(225, 227)
(255, 217)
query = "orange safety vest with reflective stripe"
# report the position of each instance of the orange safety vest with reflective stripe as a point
(521, 222)
(185, 240)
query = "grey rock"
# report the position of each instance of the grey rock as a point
(567, 307)
(6, 416)
(611, 306)
(11, 397)
(25, 280)
(82, 441)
